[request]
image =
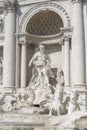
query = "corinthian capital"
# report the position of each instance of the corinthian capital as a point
(66, 38)
(9, 5)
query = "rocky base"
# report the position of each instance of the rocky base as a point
(77, 119)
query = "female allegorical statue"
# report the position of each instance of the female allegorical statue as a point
(41, 69)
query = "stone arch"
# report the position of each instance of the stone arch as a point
(44, 6)
(45, 23)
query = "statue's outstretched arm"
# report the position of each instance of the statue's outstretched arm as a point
(33, 59)
(48, 60)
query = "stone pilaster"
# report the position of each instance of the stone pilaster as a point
(18, 63)
(78, 51)
(85, 28)
(63, 57)
(23, 64)
(10, 44)
(67, 61)
(78, 44)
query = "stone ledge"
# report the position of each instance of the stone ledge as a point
(70, 121)
(80, 87)
(8, 90)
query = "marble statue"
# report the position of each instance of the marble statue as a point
(27, 96)
(58, 106)
(7, 106)
(60, 77)
(15, 102)
(2, 97)
(75, 102)
(62, 102)
(41, 69)
(41, 72)
(56, 102)
(39, 90)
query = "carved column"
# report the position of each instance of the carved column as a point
(85, 26)
(66, 61)
(10, 44)
(23, 64)
(18, 63)
(78, 44)
(63, 57)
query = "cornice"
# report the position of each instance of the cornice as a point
(24, 2)
(76, 1)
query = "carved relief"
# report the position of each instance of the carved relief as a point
(1, 23)
(75, 102)
(2, 98)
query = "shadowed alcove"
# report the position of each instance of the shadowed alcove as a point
(45, 23)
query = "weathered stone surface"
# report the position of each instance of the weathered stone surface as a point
(55, 81)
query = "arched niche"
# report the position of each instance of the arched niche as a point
(45, 6)
(44, 21)
(44, 24)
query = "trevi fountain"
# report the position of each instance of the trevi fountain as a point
(43, 65)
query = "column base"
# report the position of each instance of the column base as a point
(8, 90)
(82, 89)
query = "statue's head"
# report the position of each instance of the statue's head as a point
(41, 47)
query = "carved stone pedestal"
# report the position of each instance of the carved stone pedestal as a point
(8, 90)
